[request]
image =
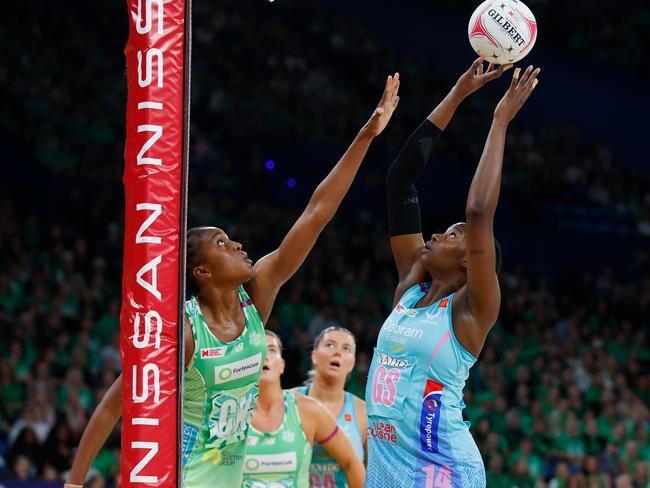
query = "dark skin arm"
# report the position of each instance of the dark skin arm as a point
(105, 418)
(274, 269)
(407, 248)
(101, 424)
(476, 306)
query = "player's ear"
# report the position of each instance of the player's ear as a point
(283, 364)
(201, 272)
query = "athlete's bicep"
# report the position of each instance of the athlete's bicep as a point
(189, 341)
(406, 250)
(340, 448)
(416, 275)
(262, 289)
(483, 296)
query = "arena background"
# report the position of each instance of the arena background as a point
(561, 393)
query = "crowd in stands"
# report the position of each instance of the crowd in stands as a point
(561, 391)
(560, 396)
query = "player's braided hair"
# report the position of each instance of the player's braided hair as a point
(195, 238)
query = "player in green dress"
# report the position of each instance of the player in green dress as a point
(224, 340)
(285, 426)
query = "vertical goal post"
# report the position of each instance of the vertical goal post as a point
(158, 53)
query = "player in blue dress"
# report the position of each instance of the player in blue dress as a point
(445, 304)
(333, 358)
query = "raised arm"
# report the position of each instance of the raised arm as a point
(274, 269)
(481, 298)
(403, 207)
(101, 424)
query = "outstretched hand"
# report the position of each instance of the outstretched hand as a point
(387, 105)
(475, 77)
(519, 91)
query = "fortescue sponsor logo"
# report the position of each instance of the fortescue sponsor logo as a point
(284, 462)
(238, 369)
(387, 360)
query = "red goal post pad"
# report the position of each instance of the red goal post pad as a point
(155, 181)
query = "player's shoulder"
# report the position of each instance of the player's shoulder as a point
(358, 402)
(359, 407)
(308, 405)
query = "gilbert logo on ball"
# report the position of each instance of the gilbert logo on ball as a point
(502, 31)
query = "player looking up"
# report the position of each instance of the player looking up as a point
(285, 426)
(224, 344)
(445, 303)
(333, 357)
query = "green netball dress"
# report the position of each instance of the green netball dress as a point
(279, 459)
(220, 390)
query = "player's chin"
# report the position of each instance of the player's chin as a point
(249, 273)
(268, 376)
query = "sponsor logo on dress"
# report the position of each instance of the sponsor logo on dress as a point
(348, 417)
(252, 440)
(400, 333)
(255, 338)
(430, 416)
(238, 369)
(288, 436)
(383, 432)
(409, 312)
(444, 303)
(239, 347)
(229, 459)
(213, 352)
(271, 463)
(387, 360)
(268, 441)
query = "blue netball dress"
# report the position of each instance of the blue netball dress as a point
(414, 399)
(325, 471)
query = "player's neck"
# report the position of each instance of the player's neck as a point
(439, 288)
(219, 305)
(270, 396)
(328, 392)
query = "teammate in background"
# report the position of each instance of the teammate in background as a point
(333, 358)
(224, 328)
(445, 304)
(283, 430)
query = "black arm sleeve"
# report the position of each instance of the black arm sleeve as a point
(403, 205)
